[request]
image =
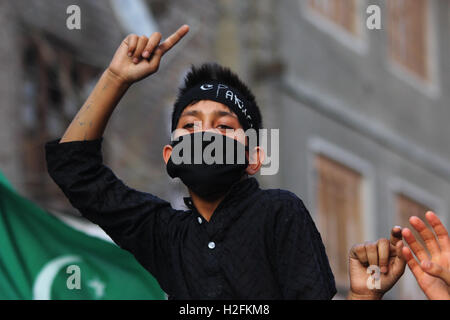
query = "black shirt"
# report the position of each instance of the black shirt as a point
(259, 244)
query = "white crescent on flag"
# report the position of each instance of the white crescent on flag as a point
(44, 280)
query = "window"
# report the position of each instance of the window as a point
(339, 195)
(53, 92)
(343, 20)
(342, 13)
(407, 34)
(407, 207)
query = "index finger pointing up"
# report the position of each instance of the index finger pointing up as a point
(170, 42)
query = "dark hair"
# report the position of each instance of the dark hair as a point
(214, 71)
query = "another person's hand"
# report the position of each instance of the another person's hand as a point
(432, 275)
(139, 57)
(384, 254)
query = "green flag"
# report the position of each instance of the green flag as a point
(43, 258)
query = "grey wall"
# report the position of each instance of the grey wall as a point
(351, 105)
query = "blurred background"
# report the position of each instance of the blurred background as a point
(363, 114)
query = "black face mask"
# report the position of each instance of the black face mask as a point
(213, 172)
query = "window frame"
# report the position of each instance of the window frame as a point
(430, 86)
(319, 146)
(358, 43)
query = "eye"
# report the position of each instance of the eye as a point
(224, 127)
(188, 126)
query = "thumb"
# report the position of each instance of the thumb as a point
(436, 270)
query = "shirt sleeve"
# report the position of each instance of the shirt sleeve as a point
(302, 265)
(138, 222)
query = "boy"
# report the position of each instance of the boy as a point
(236, 241)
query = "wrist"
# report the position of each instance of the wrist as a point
(116, 79)
(371, 296)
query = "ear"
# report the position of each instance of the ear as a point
(167, 152)
(256, 159)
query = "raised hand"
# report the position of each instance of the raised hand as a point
(139, 57)
(385, 254)
(432, 275)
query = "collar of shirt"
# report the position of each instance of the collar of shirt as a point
(229, 209)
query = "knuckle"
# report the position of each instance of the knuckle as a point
(151, 44)
(132, 44)
(358, 248)
(371, 246)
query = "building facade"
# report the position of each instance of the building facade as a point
(364, 118)
(362, 114)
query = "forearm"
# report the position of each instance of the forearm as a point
(90, 122)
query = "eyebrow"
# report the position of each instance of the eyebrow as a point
(190, 113)
(225, 113)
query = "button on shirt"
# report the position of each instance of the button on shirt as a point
(259, 244)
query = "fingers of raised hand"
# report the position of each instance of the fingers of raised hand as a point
(396, 235)
(412, 263)
(426, 234)
(383, 246)
(398, 250)
(372, 253)
(131, 41)
(415, 246)
(359, 253)
(170, 42)
(439, 229)
(398, 267)
(137, 54)
(142, 47)
(152, 43)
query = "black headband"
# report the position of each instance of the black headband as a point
(216, 91)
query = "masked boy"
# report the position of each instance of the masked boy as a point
(235, 241)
